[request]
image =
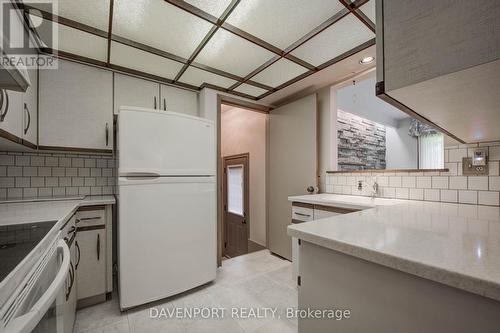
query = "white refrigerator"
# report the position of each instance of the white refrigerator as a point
(166, 204)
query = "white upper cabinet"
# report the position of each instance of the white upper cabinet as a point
(19, 111)
(11, 116)
(76, 107)
(179, 100)
(439, 61)
(30, 109)
(131, 91)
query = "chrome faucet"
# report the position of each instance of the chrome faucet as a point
(374, 188)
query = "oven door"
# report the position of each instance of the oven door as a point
(34, 307)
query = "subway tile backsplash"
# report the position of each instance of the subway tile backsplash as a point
(33, 175)
(449, 186)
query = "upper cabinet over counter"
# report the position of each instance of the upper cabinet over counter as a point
(76, 108)
(439, 61)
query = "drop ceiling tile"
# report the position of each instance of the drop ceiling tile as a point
(282, 22)
(341, 37)
(197, 77)
(159, 24)
(369, 10)
(133, 58)
(250, 90)
(213, 7)
(279, 72)
(82, 43)
(72, 40)
(233, 54)
(94, 13)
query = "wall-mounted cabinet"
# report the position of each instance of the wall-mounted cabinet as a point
(76, 108)
(179, 100)
(131, 91)
(439, 61)
(19, 112)
(30, 110)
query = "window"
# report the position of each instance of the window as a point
(431, 151)
(235, 189)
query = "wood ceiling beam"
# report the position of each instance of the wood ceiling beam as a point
(208, 36)
(110, 29)
(125, 41)
(353, 8)
(329, 63)
(236, 31)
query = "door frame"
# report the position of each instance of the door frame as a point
(246, 201)
(252, 107)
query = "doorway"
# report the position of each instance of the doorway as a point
(242, 180)
(236, 205)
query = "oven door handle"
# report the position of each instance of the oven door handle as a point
(28, 321)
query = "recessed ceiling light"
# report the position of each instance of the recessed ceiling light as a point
(366, 60)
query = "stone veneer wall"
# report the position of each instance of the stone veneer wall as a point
(32, 175)
(361, 143)
(449, 186)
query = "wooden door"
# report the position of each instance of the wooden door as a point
(292, 166)
(236, 203)
(132, 91)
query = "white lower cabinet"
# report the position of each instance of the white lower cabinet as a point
(94, 260)
(305, 212)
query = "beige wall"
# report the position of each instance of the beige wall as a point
(244, 131)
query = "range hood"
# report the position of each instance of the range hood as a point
(439, 61)
(13, 77)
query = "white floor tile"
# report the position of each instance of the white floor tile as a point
(254, 280)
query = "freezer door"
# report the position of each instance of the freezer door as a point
(164, 143)
(166, 237)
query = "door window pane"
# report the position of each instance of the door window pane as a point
(235, 189)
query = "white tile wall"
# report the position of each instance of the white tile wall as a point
(449, 186)
(31, 175)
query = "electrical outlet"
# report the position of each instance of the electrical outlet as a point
(473, 170)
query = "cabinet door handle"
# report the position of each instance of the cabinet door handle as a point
(29, 118)
(164, 104)
(79, 254)
(107, 134)
(5, 96)
(98, 246)
(88, 219)
(155, 102)
(302, 214)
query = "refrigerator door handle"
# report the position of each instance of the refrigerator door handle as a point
(134, 175)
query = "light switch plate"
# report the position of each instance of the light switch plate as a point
(472, 170)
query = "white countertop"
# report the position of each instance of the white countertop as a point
(454, 244)
(32, 211)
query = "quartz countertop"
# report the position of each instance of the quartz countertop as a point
(453, 244)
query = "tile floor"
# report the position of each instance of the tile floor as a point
(257, 280)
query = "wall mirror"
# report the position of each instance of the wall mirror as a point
(373, 135)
